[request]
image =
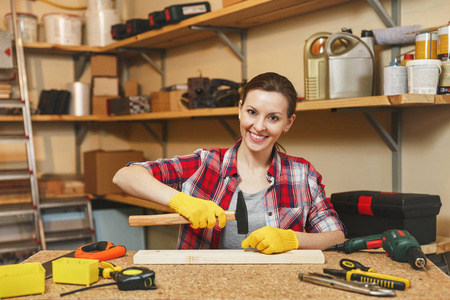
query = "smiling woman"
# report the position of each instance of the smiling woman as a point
(285, 198)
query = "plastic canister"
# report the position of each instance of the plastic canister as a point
(27, 23)
(349, 65)
(100, 4)
(62, 29)
(314, 66)
(80, 99)
(98, 26)
(395, 79)
(426, 45)
(423, 76)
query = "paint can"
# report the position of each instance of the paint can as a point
(62, 29)
(444, 82)
(443, 43)
(395, 79)
(423, 76)
(27, 23)
(426, 45)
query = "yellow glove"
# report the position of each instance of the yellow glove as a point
(270, 240)
(201, 213)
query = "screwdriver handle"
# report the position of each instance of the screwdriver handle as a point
(383, 280)
(348, 264)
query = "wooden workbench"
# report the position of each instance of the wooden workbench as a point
(253, 281)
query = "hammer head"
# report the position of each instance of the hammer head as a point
(241, 214)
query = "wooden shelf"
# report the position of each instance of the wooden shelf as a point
(404, 100)
(246, 14)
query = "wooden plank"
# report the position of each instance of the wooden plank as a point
(409, 99)
(442, 99)
(211, 257)
(343, 103)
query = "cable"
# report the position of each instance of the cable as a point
(87, 288)
(63, 6)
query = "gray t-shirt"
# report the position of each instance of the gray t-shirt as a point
(230, 239)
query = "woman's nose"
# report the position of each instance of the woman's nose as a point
(260, 124)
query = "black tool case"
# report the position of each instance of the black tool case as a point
(370, 212)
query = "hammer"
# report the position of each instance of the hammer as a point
(240, 215)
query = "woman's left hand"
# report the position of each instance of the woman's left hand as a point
(270, 240)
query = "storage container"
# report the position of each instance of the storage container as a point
(27, 23)
(75, 271)
(369, 212)
(62, 29)
(22, 279)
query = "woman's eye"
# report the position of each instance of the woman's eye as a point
(273, 118)
(251, 111)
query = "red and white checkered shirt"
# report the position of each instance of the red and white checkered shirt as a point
(295, 199)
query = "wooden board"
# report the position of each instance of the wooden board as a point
(212, 257)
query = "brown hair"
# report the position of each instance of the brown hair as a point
(273, 82)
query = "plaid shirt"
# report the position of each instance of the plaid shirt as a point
(295, 199)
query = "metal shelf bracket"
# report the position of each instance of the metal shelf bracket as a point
(241, 53)
(162, 140)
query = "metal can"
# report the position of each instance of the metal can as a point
(426, 45)
(443, 43)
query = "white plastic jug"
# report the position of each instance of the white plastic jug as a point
(350, 67)
(314, 66)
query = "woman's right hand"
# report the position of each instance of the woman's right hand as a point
(201, 213)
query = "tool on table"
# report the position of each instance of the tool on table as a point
(352, 286)
(240, 215)
(383, 280)
(107, 269)
(101, 251)
(399, 245)
(133, 278)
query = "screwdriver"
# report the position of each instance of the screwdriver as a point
(133, 278)
(383, 280)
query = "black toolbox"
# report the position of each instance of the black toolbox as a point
(180, 12)
(370, 212)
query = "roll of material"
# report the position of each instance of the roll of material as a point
(98, 26)
(395, 35)
(80, 99)
(100, 4)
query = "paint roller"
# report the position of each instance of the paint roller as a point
(396, 35)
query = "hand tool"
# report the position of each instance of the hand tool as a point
(133, 278)
(360, 272)
(240, 215)
(107, 269)
(352, 286)
(399, 245)
(101, 251)
(383, 280)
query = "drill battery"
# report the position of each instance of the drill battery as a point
(157, 19)
(370, 212)
(177, 13)
(119, 31)
(136, 26)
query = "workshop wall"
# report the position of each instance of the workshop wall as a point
(342, 146)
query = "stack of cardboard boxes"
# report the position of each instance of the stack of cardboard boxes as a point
(104, 82)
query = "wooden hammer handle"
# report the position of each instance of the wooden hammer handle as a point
(166, 219)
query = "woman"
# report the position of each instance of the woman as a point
(286, 203)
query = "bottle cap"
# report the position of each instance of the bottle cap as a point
(366, 33)
(393, 63)
(408, 56)
(348, 30)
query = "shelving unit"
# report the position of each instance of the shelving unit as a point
(238, 18)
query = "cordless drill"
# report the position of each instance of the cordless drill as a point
(399, 245)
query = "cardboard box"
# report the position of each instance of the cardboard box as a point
(105, 86)
(131, 88)
(100, 167)
(104, 65)
(226, 3)
(166, 101)
(100, 105)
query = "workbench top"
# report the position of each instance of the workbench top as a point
(253, 281)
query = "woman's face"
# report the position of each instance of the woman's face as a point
(263, 118)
